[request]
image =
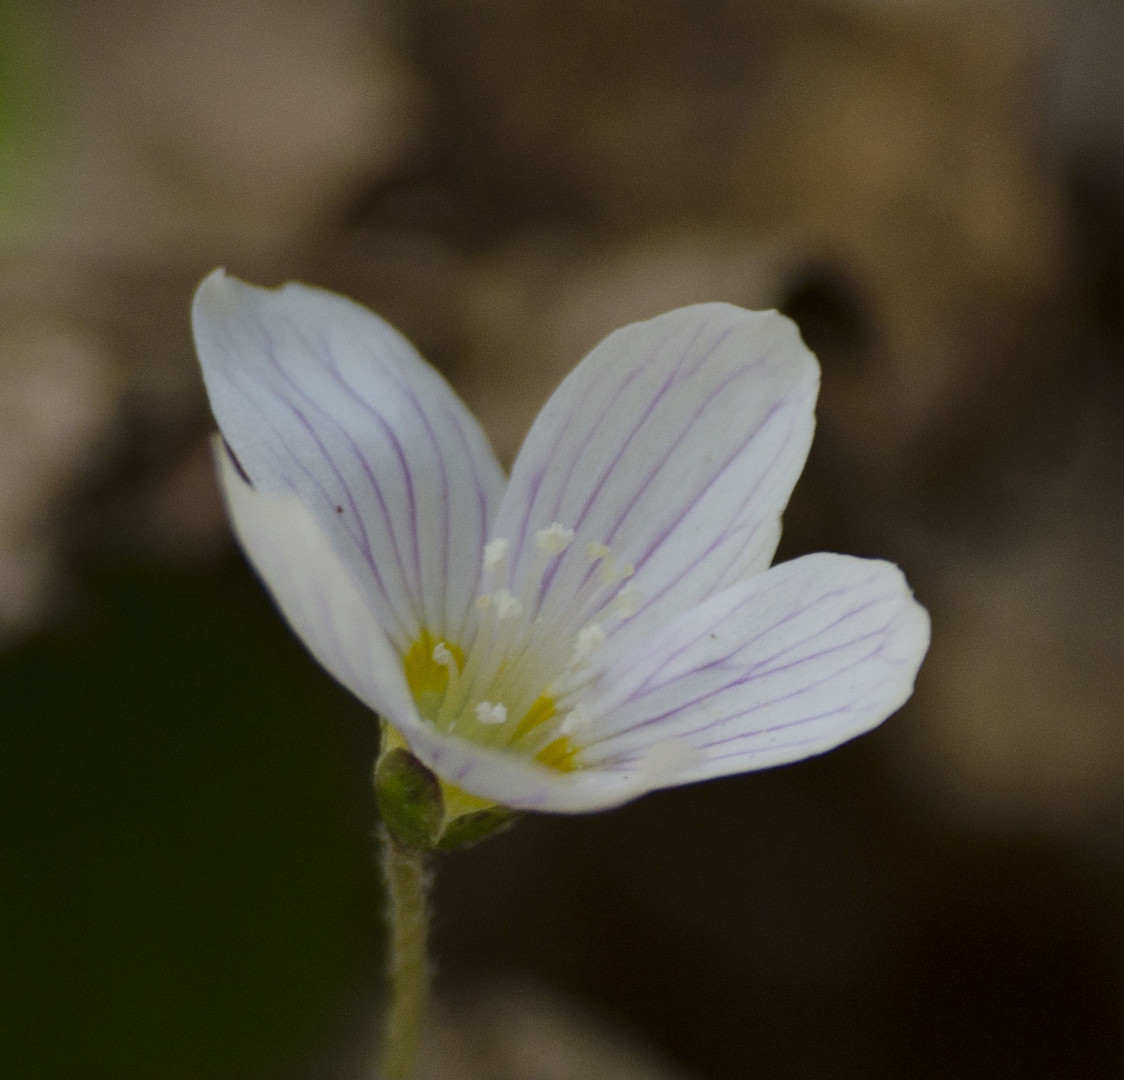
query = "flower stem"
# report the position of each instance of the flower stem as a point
(407, 882)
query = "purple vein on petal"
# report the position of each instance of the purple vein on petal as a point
(252, 399)
(361, 541)
(669, 452)
(759, 671)
(597, 488)
(365, 547)
(402, 386)
(702, 699)
(392, 436)
(324, 416)
(735, 526)
(788, 744)
(663, 537)
(647, 686)
(674, 377)
(387, 431)
(392, 371)
(788, 696)
(787, 617)
(673, 446)
(607, 373)
(837, 710)
(531, 497)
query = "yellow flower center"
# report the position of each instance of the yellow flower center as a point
(518, 685)
(427, 679)
(428, 664)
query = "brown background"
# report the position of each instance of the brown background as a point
(933, 189)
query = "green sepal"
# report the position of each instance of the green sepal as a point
(410, 800)
(469, 829)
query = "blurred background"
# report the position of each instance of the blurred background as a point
(934, 189)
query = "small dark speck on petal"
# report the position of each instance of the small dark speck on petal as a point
(339, 509)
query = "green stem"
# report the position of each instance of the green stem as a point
(407, 881)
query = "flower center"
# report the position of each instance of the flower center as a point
(519, 686)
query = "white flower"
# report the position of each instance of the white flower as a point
(520, 666)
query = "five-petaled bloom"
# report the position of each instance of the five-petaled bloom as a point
(604, 623)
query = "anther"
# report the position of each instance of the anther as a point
(611, 573)
(508, 606)
(487, 713)
(442, 655)
(596, 552)
(587, 641)
(628, 601)
(494, 552)
(573, 721)
(554, 539)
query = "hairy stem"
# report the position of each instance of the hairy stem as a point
(407, 882)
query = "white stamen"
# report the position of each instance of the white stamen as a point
(573, 721)
(554, 539)
(442, 655)
(487, 713)
(587, 640)
(494, 552)
(508, 606)
(596, 551)
(611, 573)
(628, 601)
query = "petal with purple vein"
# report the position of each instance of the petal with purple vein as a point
(315, 592)
(676, 443)
(320, 398)
(786, 665)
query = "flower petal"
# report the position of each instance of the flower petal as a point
(516, 781)
(320, 398)
(314, 590)
(781, 667)
(676, 443)
(775, 669)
